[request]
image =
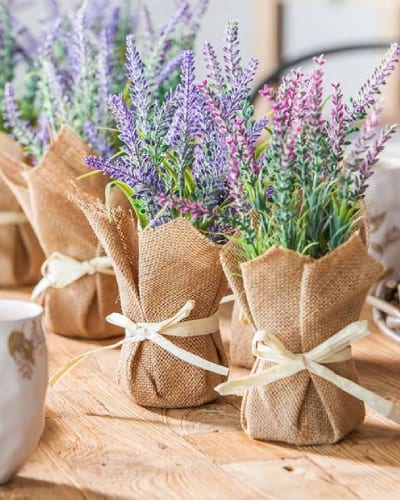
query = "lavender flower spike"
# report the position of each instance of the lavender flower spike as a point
(231, 51)
(367, 133)
(20, 128)
(371, 158)
(367, 94)
(140, 94)
(337, 129)
(214, 73)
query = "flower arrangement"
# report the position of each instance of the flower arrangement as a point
(174, 157)
(303, 187)
(75, 73)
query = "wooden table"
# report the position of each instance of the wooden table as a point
(98, 444)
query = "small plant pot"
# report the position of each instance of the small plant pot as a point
(24, 378)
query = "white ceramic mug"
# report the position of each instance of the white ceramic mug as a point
(23, 383)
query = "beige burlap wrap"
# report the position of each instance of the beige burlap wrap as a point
(241, 338)
(20, 253)
(43, 191)
(158, 271)
(302, 302)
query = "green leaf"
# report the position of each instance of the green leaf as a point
(170, 170)
(88, 174)
(190, 184)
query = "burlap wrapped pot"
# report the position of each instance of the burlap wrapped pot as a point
(158, 271)
(20, 252)
(43, 191)
(241, 337)
(302, 302)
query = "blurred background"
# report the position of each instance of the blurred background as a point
(278, 31)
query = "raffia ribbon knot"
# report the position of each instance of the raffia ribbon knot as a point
(59, 271)
(154, 332)
(333, 350)
(12, 218)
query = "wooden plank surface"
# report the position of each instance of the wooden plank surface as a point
(98, 445)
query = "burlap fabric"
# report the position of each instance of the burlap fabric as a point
(241, 337)
(78, 310)
(302, 302)
(20, 252)
(158, 271)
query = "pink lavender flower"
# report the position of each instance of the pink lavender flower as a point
(268, 92)
(367, 133)
(365, 170)
(315, 99)
(371, 89)
(337, 126)
(184, 206)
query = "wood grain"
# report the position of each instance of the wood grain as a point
(99, 445)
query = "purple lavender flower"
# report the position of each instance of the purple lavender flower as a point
(185, 124)
(256, 129)
(269, 193)
(214, 71)
(232, 60)
(79, 47)
(213, 108)
(127, 129)
(236, 100)
(139, 88)
(12, 117)
(112, 27)
(162, 46)
(103, 75)
(169, 69)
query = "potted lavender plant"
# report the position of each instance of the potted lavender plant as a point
(173, 167)
(299, 264)
(20, 252)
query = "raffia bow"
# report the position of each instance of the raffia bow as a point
(12, 218)
(59, 271)
(154, 332)
(335, 349)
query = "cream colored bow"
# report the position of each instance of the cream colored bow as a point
(59, 271)
(12, 218)
(334, 349)
(139, 332)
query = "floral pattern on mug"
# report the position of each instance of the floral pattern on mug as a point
(22, 348)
